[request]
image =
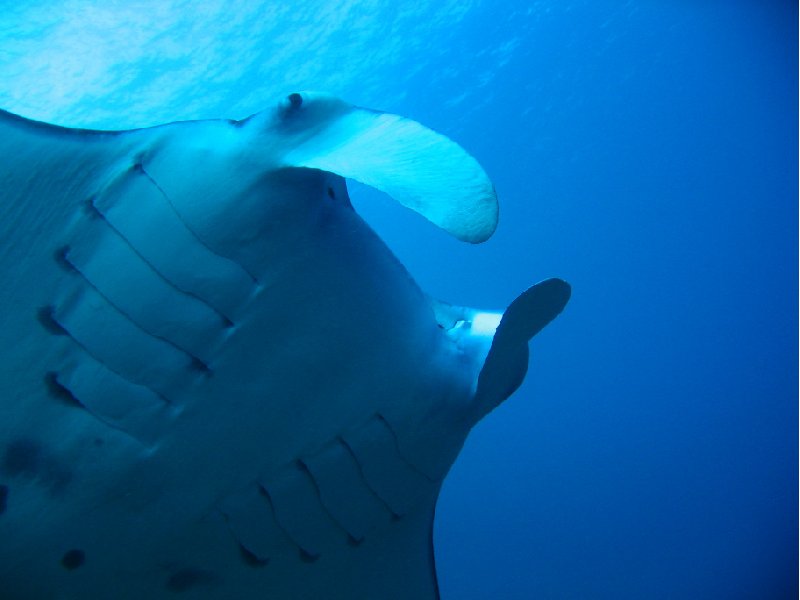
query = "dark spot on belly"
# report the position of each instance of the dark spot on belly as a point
(22, 457)
(250, 559)
(27, 458)
(331, 194)
(73, 559)
(3, 498)
(186, 579)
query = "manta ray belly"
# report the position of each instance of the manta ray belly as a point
(216, 381)
(208, 407)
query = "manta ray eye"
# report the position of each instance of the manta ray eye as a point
(295, 100)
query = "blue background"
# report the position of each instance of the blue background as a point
(646, 151)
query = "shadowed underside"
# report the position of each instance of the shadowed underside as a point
(216, 380)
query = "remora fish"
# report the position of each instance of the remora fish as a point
(217, 381)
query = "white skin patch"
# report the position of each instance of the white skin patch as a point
(486, 323)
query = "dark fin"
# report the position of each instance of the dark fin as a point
(507, 362)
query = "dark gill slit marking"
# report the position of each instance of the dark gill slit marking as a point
(304, 468)
(139, 168)
(305, 556)
(62, 392)
(249, 557)
(407, 462)
(46, 319)
(117, 373)
(195, 363)
(383, 502)
(227, 322)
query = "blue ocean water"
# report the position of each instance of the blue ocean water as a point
(646, 151)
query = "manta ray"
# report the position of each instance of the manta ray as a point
(217, 381)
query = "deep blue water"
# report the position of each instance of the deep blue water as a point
(646, 151)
